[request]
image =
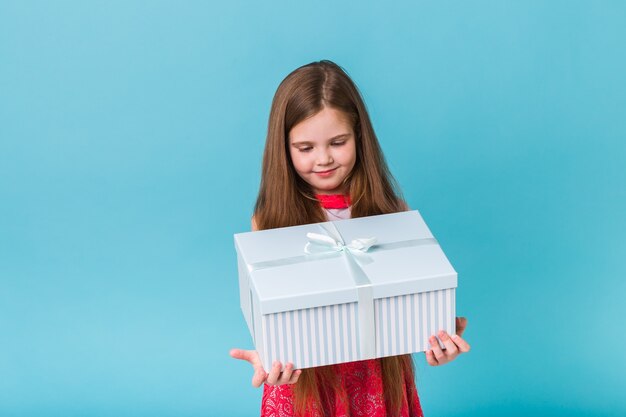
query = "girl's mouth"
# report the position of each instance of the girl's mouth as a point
(326, 173)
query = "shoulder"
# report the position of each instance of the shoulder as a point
(253, 224)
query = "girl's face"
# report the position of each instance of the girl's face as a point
(323, 150)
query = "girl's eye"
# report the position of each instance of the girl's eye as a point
(305, 149)
(338, 143)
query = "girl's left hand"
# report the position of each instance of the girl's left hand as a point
(455, 345)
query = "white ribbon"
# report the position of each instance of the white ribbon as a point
(321, 243)
(318, 244)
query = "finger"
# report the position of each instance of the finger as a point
(285, 376)
(461, 323)
(274, 374)
(430, 358)
(241, 354)
(259, 377)
(439, 355)
(463, 346)
(451, 348)
(295, 376)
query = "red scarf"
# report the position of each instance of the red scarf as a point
(334, 201)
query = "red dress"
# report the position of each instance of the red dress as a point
(362, 380)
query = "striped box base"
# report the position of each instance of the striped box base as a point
(328, 335)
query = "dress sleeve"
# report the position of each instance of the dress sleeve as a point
(277, 401)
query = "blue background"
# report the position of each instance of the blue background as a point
(131, 136)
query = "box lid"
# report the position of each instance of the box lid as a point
(405, 259)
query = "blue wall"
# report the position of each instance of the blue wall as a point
(130, 143)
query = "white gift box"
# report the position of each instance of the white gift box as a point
(319, 294)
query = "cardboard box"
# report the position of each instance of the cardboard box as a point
(343, 291)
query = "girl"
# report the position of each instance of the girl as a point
(322, 161)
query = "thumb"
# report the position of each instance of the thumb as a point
(461, 323)
(241, 354)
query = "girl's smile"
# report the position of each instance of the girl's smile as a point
(325, 173)
(323, 150)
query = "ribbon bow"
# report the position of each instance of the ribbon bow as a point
(323, 243)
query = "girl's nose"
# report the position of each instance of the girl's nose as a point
(324, 158)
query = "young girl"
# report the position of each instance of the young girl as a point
(322, 161)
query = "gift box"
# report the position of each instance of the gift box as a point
(346, 290)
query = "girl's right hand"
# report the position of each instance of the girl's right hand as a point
(275, 377)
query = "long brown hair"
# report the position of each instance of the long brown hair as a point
(285, 199)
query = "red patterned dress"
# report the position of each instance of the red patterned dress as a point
(362, 381)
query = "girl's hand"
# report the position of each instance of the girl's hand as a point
(275, 377)
(455, 345)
